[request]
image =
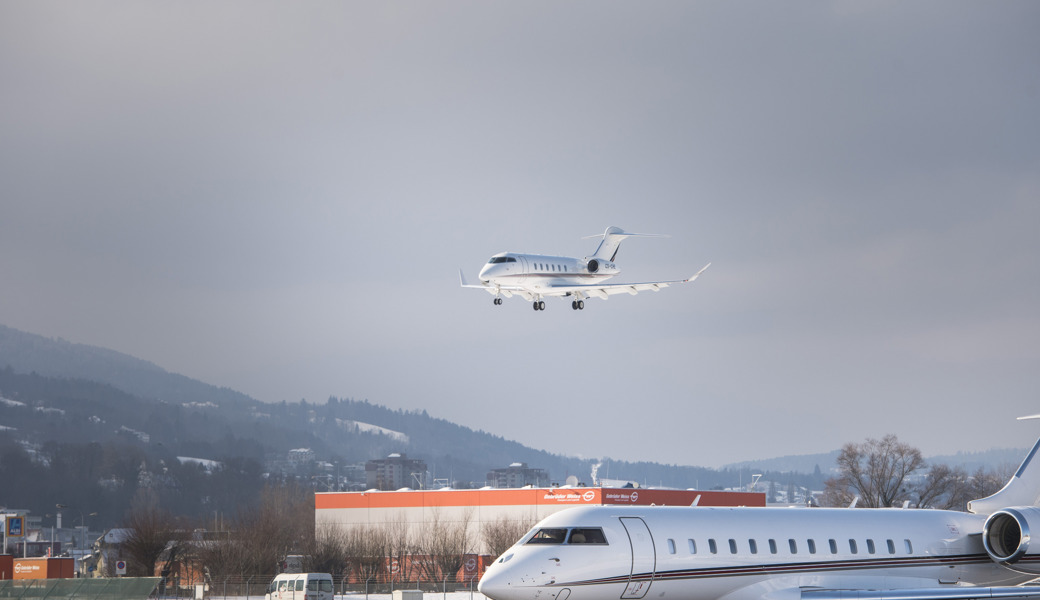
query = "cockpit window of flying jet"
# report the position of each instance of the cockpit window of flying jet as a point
(536, 276)
(680, 552)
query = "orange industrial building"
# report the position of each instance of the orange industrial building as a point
(36, 568)
(344, 510)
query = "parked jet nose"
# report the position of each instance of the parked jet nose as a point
(495, 585)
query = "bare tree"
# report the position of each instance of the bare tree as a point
(400, 548)
(367, 551)
(944, 487)
(444, 544)
(328, 552)
(152, 530)
(500, 535)
(877, 471)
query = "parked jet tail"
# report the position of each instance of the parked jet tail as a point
(1022, 490)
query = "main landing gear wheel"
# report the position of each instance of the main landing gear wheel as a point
(498, 301)
(539, 304)
(578, 304)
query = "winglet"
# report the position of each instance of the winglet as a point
(462, 280)
(698, 274)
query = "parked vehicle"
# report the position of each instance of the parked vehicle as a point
(300, 586)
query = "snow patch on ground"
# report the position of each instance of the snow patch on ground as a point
(369, 428)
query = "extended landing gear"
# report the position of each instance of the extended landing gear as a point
(498, 301)
(539, 304)
(578, 304)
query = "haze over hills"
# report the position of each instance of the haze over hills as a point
(58, 391)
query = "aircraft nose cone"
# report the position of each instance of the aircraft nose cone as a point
(495, 585)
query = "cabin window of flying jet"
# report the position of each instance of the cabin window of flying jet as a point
(732, 546)
(671, 546)
(812, 546)
(852, 547)
(772, 546)
(870, 546)
(891, 547)
(753, 545)
(909, 547)
(712, 547)
(833, 545)
(693, 546)
(794, 546)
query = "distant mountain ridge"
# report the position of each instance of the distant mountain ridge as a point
(31, 353)
(78, 392)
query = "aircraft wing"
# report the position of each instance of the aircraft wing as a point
(958, 592)
(605, 290)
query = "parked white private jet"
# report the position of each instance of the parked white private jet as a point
(535, 276)
(701, 553)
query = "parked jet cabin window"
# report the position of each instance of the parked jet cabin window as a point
(587, 535)
(549, 535)
(753, 545)
(772, 546)
(870, 546)
(793, 545)
(732, 546)
(671, 546)
(693, 546)
(712, 547)
(852, 547)
(812, 546)
(891, 547)
(834, 546)
(909, 547)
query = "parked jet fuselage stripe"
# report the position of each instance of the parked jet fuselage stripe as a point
(634, 552)
(535, 276)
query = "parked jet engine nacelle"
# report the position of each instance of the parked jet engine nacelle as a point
(1006, 536)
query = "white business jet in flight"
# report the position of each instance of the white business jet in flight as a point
(701, 553)
(535, 276)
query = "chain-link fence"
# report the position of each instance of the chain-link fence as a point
(254, 587)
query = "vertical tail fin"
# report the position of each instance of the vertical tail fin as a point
(1022, 490)
(612, 238)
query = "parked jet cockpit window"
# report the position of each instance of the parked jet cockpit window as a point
(587, 535)
(549, 535)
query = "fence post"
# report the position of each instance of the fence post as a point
(247, 585)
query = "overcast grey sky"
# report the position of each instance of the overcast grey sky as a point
(276, 197)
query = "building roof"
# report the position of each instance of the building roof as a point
(557, 496)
